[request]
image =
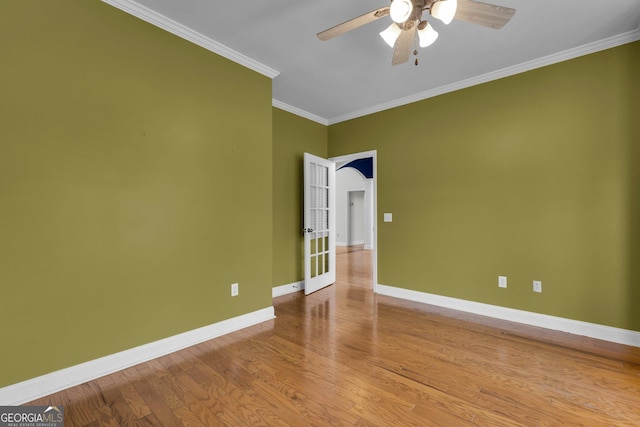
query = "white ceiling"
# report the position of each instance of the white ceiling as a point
(351, 75)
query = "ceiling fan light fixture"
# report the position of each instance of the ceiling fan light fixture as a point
(391, 34)
(427, 36)
(444, 10)
(400, 10)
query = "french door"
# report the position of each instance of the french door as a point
(319, 223)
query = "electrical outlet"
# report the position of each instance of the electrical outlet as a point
(234, 289)
(537, 286)
(502, 281)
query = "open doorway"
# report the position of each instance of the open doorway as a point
(356, 218)
(356, 208)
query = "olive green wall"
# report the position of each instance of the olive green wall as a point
(135, 185)
(534, 177)
(292, 137)
(632, 191)
(127, 208)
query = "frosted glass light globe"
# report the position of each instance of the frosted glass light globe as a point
(401, 10)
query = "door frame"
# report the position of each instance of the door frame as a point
(374, 252)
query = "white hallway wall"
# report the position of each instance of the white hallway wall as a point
(349, 179)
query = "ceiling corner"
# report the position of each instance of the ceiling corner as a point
(167, 24)
(298, 112)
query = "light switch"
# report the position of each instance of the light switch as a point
(388, 217)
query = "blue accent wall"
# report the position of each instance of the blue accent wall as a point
(364, 166)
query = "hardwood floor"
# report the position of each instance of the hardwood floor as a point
(345, 356)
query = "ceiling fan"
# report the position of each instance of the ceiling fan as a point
(408, 22)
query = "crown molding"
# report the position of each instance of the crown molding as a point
(608, 43)
(298, 112)
(161, 21)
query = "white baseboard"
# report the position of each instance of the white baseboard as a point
(358, 242)
(35, 388)
(592, 330)
(278, 291)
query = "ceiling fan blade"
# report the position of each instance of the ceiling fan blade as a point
(402, 48)
(353, 23)
(489, 15)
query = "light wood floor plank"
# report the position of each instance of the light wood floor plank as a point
(344, 356)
